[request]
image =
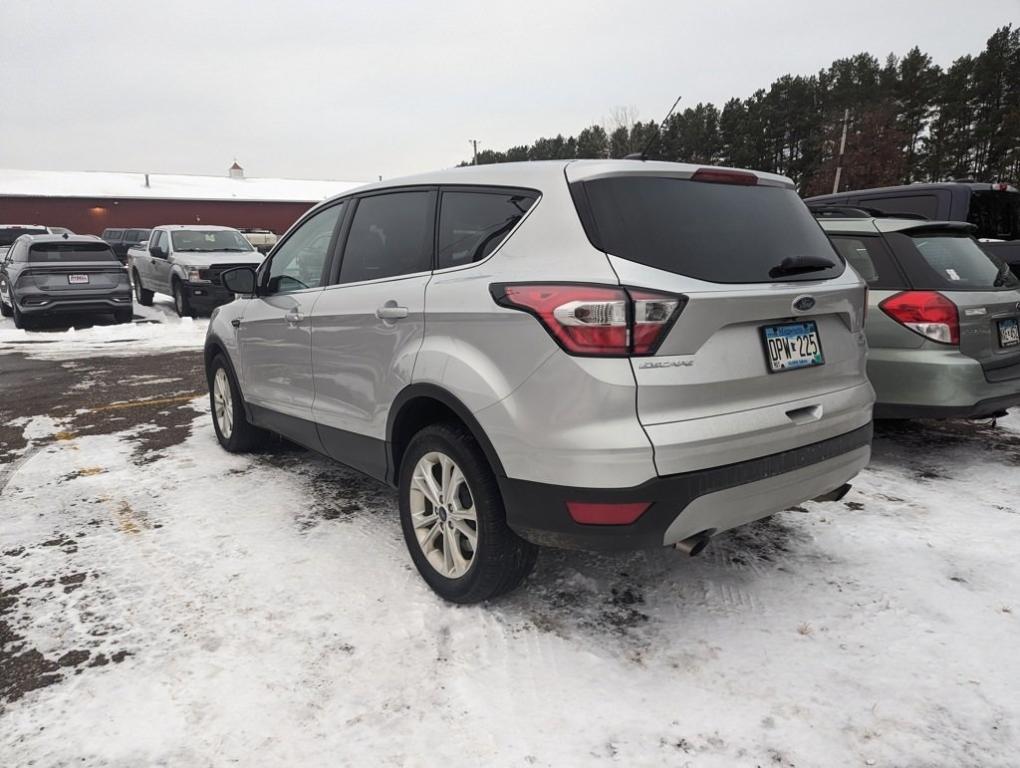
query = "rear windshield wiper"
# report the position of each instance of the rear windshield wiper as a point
(796, 265)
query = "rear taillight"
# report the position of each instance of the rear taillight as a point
(725, 176)
(928, 313)
(593, 320)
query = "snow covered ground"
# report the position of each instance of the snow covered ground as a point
(190, 607)
(155, 329)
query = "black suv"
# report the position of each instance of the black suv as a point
(122, 239)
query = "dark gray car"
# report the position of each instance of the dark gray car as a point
(943, 321)
(51, 274)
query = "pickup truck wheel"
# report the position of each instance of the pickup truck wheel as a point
(142, 296)
(235, 433)
(453, 519)
(181, 301)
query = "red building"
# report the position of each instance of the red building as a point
(87, 202)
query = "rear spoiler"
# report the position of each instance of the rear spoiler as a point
(934, 227)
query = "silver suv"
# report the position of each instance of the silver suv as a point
(943, 323)
(591, 354)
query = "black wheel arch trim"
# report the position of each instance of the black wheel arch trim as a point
(214, 346)
(434, 392)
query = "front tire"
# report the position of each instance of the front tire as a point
(181, 303)
(453, 519)
(235, 433)
(142, 296)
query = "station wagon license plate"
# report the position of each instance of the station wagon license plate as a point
(77, 279)
(1009, 332)
(792, 346)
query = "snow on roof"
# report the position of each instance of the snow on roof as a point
(165, 186)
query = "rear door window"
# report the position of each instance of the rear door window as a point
(59, 252)
(390, 235)
(472, 224)
(136, 235)
(721, 233)
(870, 259)
(113, 234)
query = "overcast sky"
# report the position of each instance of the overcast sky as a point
(352, 90)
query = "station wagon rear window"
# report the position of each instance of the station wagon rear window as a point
(70, 252)
(959, 262)
(721, 233)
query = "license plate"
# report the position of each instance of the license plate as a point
(1009, 332)
(792, 346)
(77, 279)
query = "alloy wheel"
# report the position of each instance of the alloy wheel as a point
(223, 403)
(443, 515)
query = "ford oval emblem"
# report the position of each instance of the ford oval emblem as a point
(804, 303)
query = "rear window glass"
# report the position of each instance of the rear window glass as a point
(9, 234)
(959, 262)
(996, 214)
(57, 252)
(473, 224)
(915, 205)
(721, 233)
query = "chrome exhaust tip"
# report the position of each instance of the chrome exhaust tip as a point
(693, 545)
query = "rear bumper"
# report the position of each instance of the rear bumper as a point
(55, 305)
(936, 384)
(685, 504)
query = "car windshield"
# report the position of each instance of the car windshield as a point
(960, 262)
(58, 252)
(209, 240)
(996, 214)
(9, 234)
(722, 233)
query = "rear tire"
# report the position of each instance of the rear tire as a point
(20, 321)
(142, 296)
(235, 433)
(5, 310)
(123, 315)
(497, 559)
(181, 303)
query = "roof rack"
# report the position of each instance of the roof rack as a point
(824, 211)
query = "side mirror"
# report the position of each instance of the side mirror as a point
(239, 280)
(156, 251)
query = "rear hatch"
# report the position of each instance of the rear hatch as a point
(945, 258)
(59, 267)
(766, 353)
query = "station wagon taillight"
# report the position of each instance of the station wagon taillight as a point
(595, 320)
(928, 313)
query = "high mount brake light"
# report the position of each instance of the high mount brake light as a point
(722, 176)
(928, 313)
(595, 320)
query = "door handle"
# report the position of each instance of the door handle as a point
(391, 312)
(293, 317)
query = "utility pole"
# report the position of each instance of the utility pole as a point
(842, 148)
(474, 143)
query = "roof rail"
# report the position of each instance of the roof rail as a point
(822, 210)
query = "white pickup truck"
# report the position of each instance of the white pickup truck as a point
(185, 261)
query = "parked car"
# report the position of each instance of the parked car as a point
(943, 323)
(11, 232)
(185, 261)
(122, 239)
(262, 240)
(521, 386)
(43, 275)
(993, 208)
(59, 231)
